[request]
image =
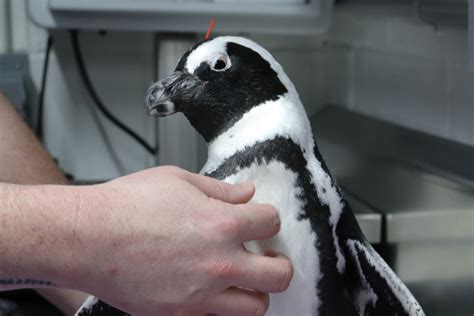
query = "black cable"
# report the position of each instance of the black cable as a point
(97, 101)
(39, 113)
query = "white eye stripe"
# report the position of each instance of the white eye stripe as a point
(221, 63)
(218, 46)
(205, 52)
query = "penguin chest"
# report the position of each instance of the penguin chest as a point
(277, 185)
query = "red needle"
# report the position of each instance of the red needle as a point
(209, 30)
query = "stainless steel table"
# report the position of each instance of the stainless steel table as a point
(423, 188)
(370, 221)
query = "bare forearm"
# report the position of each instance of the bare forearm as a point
(22, 158)
(24, 161)
(36, 236)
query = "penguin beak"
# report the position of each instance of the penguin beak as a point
(172, 94)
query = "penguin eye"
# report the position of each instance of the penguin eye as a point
(222, 63)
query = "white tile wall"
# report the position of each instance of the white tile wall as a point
(403, 89)
(402, 70)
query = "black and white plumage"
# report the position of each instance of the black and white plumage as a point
(244, 105)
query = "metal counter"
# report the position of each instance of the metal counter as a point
(422, 186)
(370, 221)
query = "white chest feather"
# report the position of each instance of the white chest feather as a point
(275, 185)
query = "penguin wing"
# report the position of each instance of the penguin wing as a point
(95, 307)
(378, 291)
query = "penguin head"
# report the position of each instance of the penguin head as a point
(216, 82)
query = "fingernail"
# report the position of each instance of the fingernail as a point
(274, 254)
(270, 253)
(245, 189)
(246, 186)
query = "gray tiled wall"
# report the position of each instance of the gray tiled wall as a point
(388, 64)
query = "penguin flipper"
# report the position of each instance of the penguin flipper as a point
(95, 307)
(380, 291)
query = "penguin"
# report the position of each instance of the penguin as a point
(238, 97)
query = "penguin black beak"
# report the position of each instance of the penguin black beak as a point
(172, 94)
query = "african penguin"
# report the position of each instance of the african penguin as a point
(240, 100)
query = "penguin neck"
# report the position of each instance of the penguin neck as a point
(284, 117)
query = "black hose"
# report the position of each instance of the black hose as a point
(98, 102)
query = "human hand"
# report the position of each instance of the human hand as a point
(169, 241)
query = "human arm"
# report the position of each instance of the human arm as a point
(24, 161)
(38, 232)
(22, 158)
(162, 239)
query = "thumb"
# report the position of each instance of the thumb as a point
(220, 190)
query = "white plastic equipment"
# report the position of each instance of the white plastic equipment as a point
(263, 16)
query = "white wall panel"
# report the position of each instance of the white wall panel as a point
(4, 26)
(402, 70)
(18, 26)
(120, 74)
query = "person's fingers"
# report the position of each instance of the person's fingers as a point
(239, 302)
(265, 273)
(256, 221)
(219, 190)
